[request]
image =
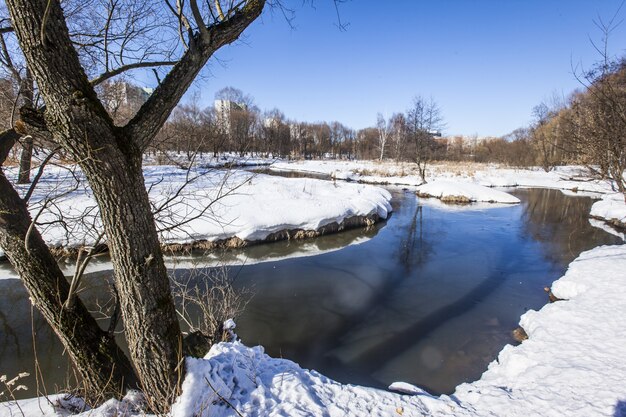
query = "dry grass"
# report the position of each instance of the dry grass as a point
(403, 169)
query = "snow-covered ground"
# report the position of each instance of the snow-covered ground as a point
(206, 159)
(573, 364)
(573, 180)
(207, 205)
(464, 192)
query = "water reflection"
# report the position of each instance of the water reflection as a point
(550, 217)
(429, 298)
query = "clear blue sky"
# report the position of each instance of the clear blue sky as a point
(485, 62)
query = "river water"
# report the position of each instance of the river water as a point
(428, 297)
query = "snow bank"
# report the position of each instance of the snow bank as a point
(464, 192)
(210, 205)
(574, 362)
(611, 208)
(255, 384)
(571, 180)
(206, 159)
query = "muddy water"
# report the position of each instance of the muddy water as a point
(429, 297)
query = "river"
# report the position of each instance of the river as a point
(428, 297)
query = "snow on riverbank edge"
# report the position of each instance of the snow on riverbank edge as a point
(464, 193)
(207, 209)
(571, 180)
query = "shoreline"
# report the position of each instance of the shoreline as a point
(234, 242)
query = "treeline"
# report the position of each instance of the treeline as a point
(588, 128)
(236, 124)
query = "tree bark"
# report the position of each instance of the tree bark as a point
(112, 164)
(7, 140)
(26, 91)
(111, 160)
(23, 176)
(104, 368)
(152, 330)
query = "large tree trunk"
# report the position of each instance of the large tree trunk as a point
(112, 165)
(151, 325)
(111, 159)
(104, 368)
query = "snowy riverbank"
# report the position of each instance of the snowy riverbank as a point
(212, 207)
(460, 178)
(572, 365)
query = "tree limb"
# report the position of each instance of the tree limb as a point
(7, 140)
(154, 112)
(112, 73)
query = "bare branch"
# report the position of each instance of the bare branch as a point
(112, 73)
(157, 109)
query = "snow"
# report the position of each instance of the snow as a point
(572, 364)
(206, 160)
(611, 208)
(571, 180)
(214, 205)
(472, 192)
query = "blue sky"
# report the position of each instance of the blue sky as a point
(485, 62)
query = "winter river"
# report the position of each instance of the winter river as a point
(429, 297)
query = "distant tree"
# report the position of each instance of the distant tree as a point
(423, 119)
(547, 132)
(398, 128)
(348, 146)
(367, 143)
(598, 117)
(337, 136)
(383, 134)
(275, 134)
(193, 129)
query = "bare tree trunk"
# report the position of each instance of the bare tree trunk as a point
(104, 368)
(25, 161)
(151, 325)
(26, 91)
(113, 168)
(110, 157)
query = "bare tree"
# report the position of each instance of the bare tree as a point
(599, 119)
(110, 157)
(423, 119)
(383, 134)
(398, 135)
